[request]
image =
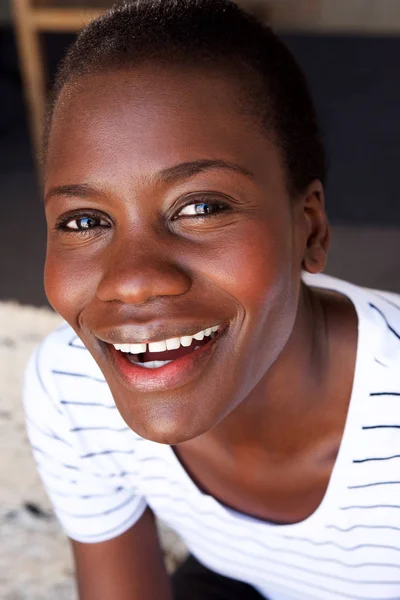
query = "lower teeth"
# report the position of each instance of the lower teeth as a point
(153, 364)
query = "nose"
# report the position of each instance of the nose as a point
(134, 276)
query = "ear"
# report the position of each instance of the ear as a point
(315, 228)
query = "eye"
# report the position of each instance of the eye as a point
(81, 223)
(201, 209)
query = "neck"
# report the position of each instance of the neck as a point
(280, 413)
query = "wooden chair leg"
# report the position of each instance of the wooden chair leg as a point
(32, 68)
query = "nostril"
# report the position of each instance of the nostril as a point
(139, 284)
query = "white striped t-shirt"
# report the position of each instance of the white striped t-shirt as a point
(100, 475)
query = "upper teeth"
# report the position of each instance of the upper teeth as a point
(163, 345)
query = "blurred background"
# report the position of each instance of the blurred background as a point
(350, 52)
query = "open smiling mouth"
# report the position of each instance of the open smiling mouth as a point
(165, 364)
(156, 355)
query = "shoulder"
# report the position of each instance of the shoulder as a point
(61, 374)
(62, 350)
(84, 452)
(385, 312)
(379, 320)
(65, 393)
(62, 359)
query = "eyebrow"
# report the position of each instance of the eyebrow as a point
(189, 169)
(170, 175)
(73, 190)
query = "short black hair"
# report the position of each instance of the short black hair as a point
(214, 34)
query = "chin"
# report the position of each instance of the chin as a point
(167, 423)
(168, 431)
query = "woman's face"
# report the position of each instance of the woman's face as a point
(168, 214)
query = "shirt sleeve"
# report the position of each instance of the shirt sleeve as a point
(91, 507)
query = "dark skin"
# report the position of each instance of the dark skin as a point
(263, 440)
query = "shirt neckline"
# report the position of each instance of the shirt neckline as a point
(367, 336)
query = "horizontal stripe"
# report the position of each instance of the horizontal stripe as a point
(203, 528)
(363, 460)
(222, 517)
(81, 375)
(100, 428)
(321, 588)
(106, 475)
(210, 548)
(145, 459)
(105, 452)
(120, 527)
(361, 526)
(76, 403)
(376, 483)
(380, 427)
(103, 513)
(231, 521)
(50, 435)
(348, 548)
(385, 394)
(360, 507)
(385, 299)
(391, 329)
(84, 496)
(65, 465)
(115, 491)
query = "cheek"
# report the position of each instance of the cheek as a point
(70, 280)
(257, 269)
(254, 265)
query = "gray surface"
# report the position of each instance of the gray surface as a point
(5, 11)
(367, 256)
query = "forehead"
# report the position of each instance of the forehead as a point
(126, 122)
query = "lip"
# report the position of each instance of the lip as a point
(175, 374)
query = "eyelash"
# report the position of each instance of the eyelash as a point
(221, 207)
(62, 223)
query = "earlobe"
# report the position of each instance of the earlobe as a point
(315, 259)
(316, 253)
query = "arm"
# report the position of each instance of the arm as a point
(91, 505)
(128, 567)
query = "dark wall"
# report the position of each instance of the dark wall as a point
(356, 86)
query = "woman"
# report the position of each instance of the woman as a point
(208, 373)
